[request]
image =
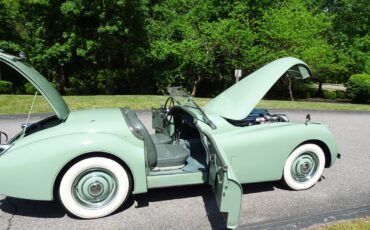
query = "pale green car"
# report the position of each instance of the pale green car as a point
(92, 160)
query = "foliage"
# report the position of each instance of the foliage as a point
(358, 87)
(82, 39)
(5, 87)
(29, 88)
(143, 46)
(340, 94)
(192, 42)
(292, 30)
(9, 29)
(350, 35)
(328, 94)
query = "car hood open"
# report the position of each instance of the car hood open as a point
(239, 100)
(42, 85)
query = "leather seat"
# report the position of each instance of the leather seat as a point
(161, 138)
(159, 155)
(171, 156)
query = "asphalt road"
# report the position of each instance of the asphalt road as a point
(344, 192)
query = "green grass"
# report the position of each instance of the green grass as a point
(356, 224)
(272, 104)
(18, 104)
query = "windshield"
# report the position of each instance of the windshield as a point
(182, 98)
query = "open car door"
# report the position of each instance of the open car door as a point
(225, 186)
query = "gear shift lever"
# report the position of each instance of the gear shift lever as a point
(178, 134)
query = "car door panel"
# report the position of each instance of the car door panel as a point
(225, 186)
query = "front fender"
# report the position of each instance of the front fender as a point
(258, 153)
(30, 171)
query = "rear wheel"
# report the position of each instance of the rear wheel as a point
(304, 167)
(94, 187)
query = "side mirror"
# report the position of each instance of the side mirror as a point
(22, 55)
(5, 135)
(26, 125)
(308, 118)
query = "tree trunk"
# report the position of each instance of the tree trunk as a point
(61, 80)
(195, 86)
(319, 90)
(290, 88)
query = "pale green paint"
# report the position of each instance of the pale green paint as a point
(42, 85)
(268, 151)
(246, 154)
(225, 185)
(159, 181)
(257, 154)
(252, 88)
(42, 155)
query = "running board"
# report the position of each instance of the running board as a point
(186, 178)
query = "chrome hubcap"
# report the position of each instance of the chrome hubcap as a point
(94, 188)
(304, 167)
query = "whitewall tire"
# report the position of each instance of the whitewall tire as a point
(94, 187)
(304, 167)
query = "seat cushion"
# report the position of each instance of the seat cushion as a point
(169, 155)
(160, 138)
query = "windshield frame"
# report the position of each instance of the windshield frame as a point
(182, 98)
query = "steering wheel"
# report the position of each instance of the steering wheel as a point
(167, 115)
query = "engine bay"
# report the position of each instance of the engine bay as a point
(259, 116)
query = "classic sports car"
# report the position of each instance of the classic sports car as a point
(92, 160)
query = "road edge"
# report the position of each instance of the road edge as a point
(310, 221)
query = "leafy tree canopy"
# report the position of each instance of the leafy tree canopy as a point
(127, 46)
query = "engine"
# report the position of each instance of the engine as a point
(259, 116)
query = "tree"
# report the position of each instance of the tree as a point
(292, 30)
(87, 46)
(190, 42)
(9, 29)
(350, 36)
(127, 46)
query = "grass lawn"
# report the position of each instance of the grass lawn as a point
(356, 224)
(18, 104)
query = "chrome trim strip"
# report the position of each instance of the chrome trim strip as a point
(4, 148)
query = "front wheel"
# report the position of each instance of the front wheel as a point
(304, 167)
(94, 187)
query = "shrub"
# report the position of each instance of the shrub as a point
(340, 94)
(29, 88)
(5, 87)
(330, 94)
(358, 88)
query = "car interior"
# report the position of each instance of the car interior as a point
(176, 146)
(181, 152)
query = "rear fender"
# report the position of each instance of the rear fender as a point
(30, 171)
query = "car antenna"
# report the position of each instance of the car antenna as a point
(29, 114)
